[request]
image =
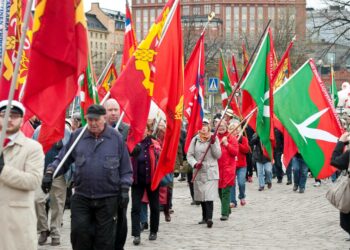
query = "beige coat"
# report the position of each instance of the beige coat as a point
(21, 175)
(206, 183)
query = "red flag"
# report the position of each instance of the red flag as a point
(135, 86)
(233, 73)
(107, 82)
(168, 90)
(193, 91)
(130, 43)
(283, 69)
(14, 34)
(58, 57)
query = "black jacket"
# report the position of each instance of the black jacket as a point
(340, 159)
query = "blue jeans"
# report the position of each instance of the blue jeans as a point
(144, 213)
(300, 170)
(289, 171)
(264, 173)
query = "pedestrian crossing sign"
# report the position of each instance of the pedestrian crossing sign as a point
(213, 85)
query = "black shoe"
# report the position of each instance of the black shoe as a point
(137, 240)
(289, 183)
(202, 222)
(224, 217)
(209, 223)
(279, 181)
(43, 237)
(182, 179)
(269, 185)
(152, 236)
(295, 188)
(193, 203)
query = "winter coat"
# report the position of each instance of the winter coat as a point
(227, 161)
(243, 150)
(258, 154)
(20, 177)
(206, 183)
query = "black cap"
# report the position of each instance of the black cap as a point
(95, 111)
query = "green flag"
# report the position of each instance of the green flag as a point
(304, 107)
(334, 92)
(258, 83)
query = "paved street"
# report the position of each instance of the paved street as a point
(272, 219)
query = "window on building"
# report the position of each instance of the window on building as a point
(252, 21)
(145, 21)
(96, 45)
(196, 10)
(100, 45)
(91, 45)
(159, 1)
(185, 10)
(217, 9)
(291, 15)
(207, 9)
(153, 1)
(101, 35)
(159, 10)
(236, 22)
(145, 1)
(244, 19)
(260, 19)
(138, 25)
(271, 15)
(228, 22)
(105, 45)
(152, 16)
(138, 1)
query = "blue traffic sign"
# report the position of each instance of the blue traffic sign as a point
(213, 85)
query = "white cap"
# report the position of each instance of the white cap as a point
(15, 106)
(205, 120)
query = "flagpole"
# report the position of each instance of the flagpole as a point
(15, 73)
(106, 68)
(233, 93)
(120, 120)
(76, 141)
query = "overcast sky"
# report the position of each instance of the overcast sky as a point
(120, 4)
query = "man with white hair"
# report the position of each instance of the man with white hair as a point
(113, 115)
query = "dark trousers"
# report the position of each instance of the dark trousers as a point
(136, 197)
(278, 165)
(93, 222)
(122, 229)
(250, 164)
(345, 222)
(190, 183)
(207, 210)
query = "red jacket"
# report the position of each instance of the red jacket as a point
(227, 161)
(243, 150)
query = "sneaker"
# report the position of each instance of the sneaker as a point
(301, 190)
(243, 202)
(55, 241)
(209, 223)
(289, 182)
(261, 188)
(295, 188)
(152, 236)
(137, 240)
(269, 185)
(279, 181)
(43, 237)
(224, 217)
(317, 184)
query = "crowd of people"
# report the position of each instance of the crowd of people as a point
(96, 179)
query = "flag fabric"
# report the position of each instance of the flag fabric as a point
(88, 92)
(14, 33)
(59, 57)
(305, 109)
(168, 88)
(194, 91)
(258, 84)
(245, 59)
(107, 82)
(334, 92)
(135, 85)
(226, 87)
(130, 43)
(283, 69)
(233, 73)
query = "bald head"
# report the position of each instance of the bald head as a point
(112, 111)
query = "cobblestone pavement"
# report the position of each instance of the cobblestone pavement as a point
(273, 219)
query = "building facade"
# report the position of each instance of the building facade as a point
(114, 22)
(240, 18)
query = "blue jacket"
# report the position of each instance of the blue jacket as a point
(102, 165)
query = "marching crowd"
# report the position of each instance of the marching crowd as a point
(96, 179)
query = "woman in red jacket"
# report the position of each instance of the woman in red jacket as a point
(241, 164)
(227, 167)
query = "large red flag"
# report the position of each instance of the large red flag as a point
(194, 91)
(130, 43)
(14, 34)
(58, 57)
(135, 85)
(168, 88)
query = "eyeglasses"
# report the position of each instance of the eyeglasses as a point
(13, 116)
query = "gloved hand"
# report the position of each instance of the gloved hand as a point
(47, 182)
(212, 139)
(2, 162)
(124, 198)
(136, 151)
(198, 165)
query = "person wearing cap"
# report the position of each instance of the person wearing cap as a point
(102, 179)
(206, 182)
(113, 115)
(21, 170)
(76, 121)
